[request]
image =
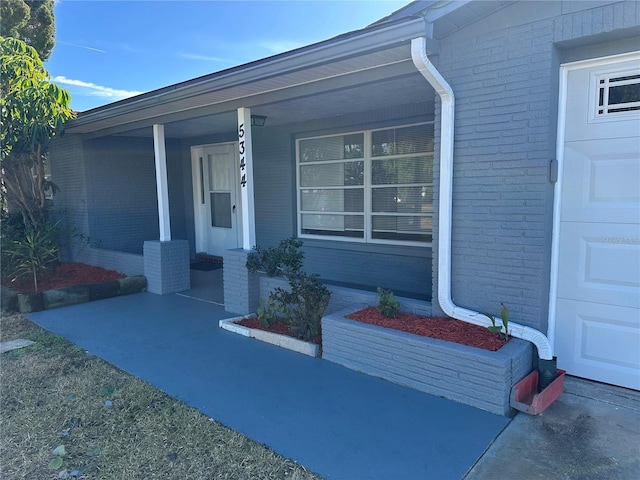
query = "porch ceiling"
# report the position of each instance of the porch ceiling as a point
(410, 88)
(370, 81)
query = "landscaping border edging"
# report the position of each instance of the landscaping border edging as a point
(62, 297)
(468, 375)
(290, 343)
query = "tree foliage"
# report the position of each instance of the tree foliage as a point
(31, 21)
(33, 111)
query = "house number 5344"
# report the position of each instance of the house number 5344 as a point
(241, 151)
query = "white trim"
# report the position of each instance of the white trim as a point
(197, 164)
(162, 184)
(594, 62)
(245, 157)
(199, 203)
(565, 68)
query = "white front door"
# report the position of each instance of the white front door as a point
(597, 227)
(216, 199)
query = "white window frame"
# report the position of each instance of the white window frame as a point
(367, 187)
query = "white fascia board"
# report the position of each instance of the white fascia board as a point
(348, 45)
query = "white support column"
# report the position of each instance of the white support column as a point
(245, 152)
(162, 184)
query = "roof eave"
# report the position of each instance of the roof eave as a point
(371, 38)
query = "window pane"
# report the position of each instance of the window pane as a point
(332, 174)
(332, 148)
(398, 187)
(393, 171)
(417, 229)
(402, 199)
(221, 210)
(339, 200)
(333, 225)
(396, 141)
(220, 172)
(624, 94)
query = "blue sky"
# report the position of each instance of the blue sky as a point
(109, 50)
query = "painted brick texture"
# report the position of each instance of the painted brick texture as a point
(505, 82)
(241, 288)
(68, 172)
(343, 298)
(467, 375)
(122, 195)
(501, 193)
(600, 20)
(166, 266)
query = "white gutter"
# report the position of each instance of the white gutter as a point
(444, 91)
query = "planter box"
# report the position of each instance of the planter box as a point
(290, 343)
(62, 297)
(525, 396)
(469, 375)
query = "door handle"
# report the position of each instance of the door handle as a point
(233, 209)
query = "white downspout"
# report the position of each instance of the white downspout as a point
(444, 91)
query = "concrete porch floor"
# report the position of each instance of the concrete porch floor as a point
(206, 286)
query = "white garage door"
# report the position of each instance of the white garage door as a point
(597, 304)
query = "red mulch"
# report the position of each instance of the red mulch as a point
(280, 327)
(65, 275)
(443, 328)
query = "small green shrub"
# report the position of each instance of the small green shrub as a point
(32, 253)
(304, 303)
(387, 304)
(504, 316)
(267, 312)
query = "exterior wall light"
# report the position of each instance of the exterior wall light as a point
(258, 120)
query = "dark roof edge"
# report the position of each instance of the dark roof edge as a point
(359, 41)
(414, 9)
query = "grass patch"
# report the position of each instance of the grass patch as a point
(112, 425)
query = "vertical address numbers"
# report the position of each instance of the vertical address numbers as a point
(241, 151)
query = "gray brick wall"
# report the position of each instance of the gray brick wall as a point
(502, 83)
(127, 263)
(122, 200)
(166, 266)
(68, 173)
(241, 288)
(343, 298)
(504, 73)
(468, 375)
(579, 21)
(122, 196)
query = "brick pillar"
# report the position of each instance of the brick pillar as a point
(166, 266)
(241, 288)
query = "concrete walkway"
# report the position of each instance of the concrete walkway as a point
(336, 422)
(592, 432)
(345, 425)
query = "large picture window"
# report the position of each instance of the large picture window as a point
(372, 186)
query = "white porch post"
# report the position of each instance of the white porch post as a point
(161, 182)
(245, 152)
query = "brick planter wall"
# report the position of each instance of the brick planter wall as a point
(13, 301)
(468, 375)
